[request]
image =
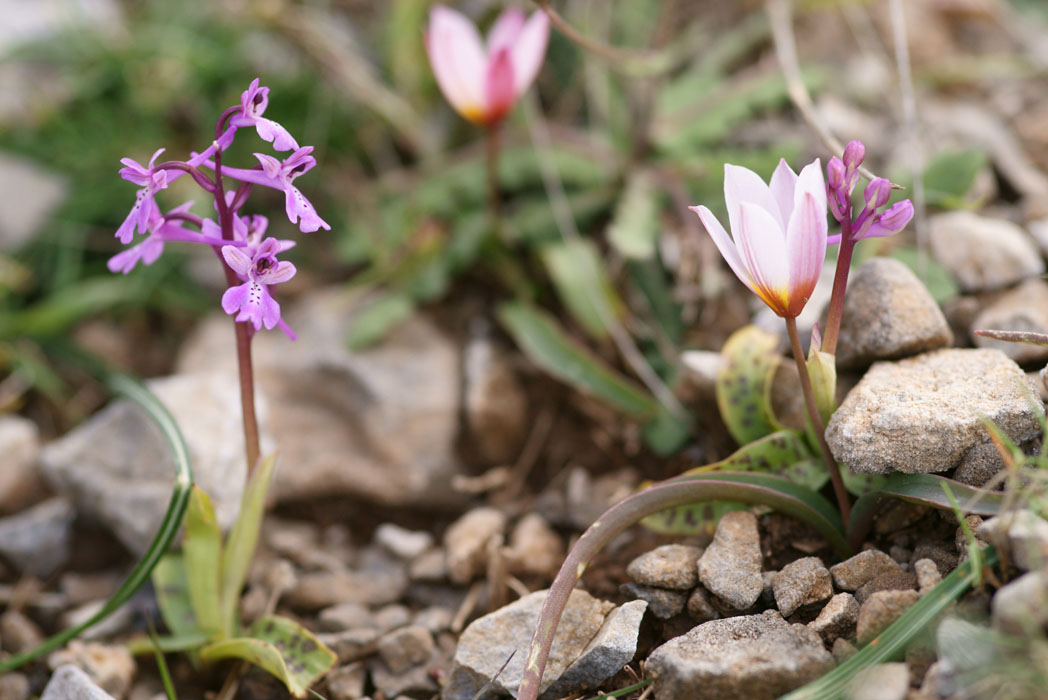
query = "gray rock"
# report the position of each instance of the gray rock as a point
(592, 643)
(980, 464)
(70, 683)
(20, 482)
(29, 194)
(837, 618)
(378, 424)
(353, 644)
(1020, 607)
(1022, 536)
(391, 617)
(37, 541)
(880, 610)
(852, 573)
(534, 548)
(346, 682)
(899, 580)
(403, 543)
(417, 680)
(928, 576)
(983, 253)
(495, 402)
(888, 313)
(843, 650)
(730, 568)
(669, 566)
(344, 616)
(923, 414)
(435, 618)
(700, 608)
(322, 589)
(466, 542)
(429, 566)
(889, 681)
(117, 466)
(110, 666)
(18, 632)
(662, 603)
(802, 582)
(14, 686)
(1024, 308)
(406, 647)
(749, 657)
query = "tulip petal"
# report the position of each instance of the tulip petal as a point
(458, 59)
(500, 93)
(762, 246)
(529, 50)
(806, 246)
(743, 185)
(724, 244)
(503, 34)
(782, 186)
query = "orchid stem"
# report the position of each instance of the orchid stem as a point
(816, 420)
(243, 332)
(840, 285)
(492, 170)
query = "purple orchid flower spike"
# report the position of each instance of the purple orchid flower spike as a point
(252, 299)
(151, 181)
(162, 229)
(253, 103)
(281, 175)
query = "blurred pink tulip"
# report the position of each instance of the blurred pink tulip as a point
(778, 241)
(483, 82)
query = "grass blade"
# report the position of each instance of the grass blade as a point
(135, 391)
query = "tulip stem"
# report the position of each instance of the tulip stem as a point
(843, 503)
(840, 285)
(492, 169)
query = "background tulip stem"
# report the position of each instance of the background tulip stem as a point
(840, 285)
(816, 420)
(492, 168)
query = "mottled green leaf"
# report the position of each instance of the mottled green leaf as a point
(202, 552)
(240, 547)
(634, 229)
(744, 383)
(547, 345)
(578, 274)
(172, 595)
(283, 648)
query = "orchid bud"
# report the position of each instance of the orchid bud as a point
(877, 193)
(854, 153)
(891, 221)
(835, 173)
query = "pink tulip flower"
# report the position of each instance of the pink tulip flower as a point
(778, 241)
(482, 82)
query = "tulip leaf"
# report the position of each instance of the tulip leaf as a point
(950, 176)
(202, 552)
(743, 384)
(783, 454)
(822, 369)
(240, 547)
(939, 280)
(582, 284)
(634, 228)
(283, 648)
(547, 345)
(172, 595)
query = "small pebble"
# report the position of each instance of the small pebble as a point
(353, 644)
(346, 682)
(852, 573)
(889, 681)
(699, 607)
(406, 647)
(429, 566)
(344, 616)
(928, 576)
(888, 581)
(401, 542)
(19, 633)
(435, 618)
(802, 582)
(881, 610)
(466, 542)
(843, 650)
(669, 566)
(535, 549)
(110, 666)
(662, 603)
(837, 618)
(391, 617)
(730, 568)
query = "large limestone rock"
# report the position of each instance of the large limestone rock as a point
(888, 313)
(983, 253)
(922, 414)
(1024, 308)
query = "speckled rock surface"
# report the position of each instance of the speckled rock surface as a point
(983, 253)
(750, 657)
(880, 610)
(669, 566)
(888, 313)
(922, 414)
(730, 568)
(852, 573)
(801, 582)
(837, 618)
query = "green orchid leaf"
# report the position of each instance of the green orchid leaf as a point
(240, 547)
(142, 644)
(202, 558)
(583, 285)
(634, 228)
(283, 648)
(861, 484)
(822, 368)
(546, 344)
(891, 644)
(172, 595)
(922, 489)
(744, 383)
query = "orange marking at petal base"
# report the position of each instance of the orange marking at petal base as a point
(475, 114)
(777, 299)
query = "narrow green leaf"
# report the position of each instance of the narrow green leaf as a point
(240, 547)
(861, 484)
(202, 551)
(547, 345)
(950, 176)
(744, 383)
(282, 647)
(892, 643)
(141, 645)
(172, 595)
(939, 281)
(582, 284)
(666, 432)
(922, 489)
(379, 317)
(634, 229)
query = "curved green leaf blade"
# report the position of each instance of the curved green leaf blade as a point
(582, 284)
(202, 558)
(922, 489)
(892, 643)
(634, 228)
(240, 547)
(744, 383)
(547, 345)
(136, 392)
(283, 648)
